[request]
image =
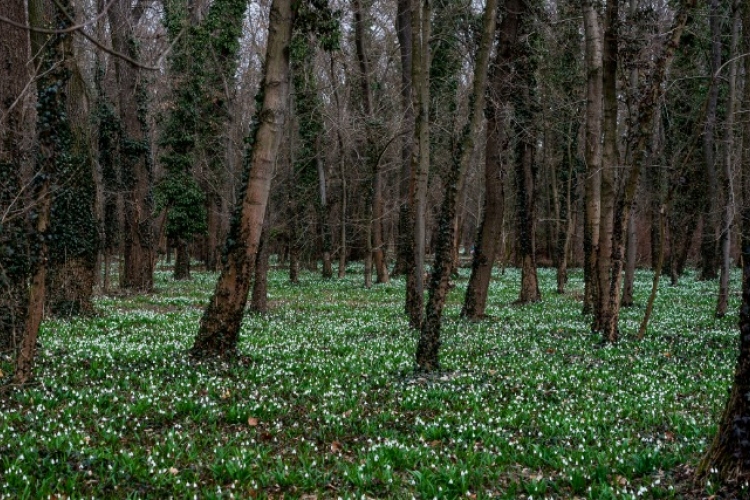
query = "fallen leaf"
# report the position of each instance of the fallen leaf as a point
(621, 480)
(252, 421)
(336, 447)
(347, 413)
(173, 471)
(226, 394)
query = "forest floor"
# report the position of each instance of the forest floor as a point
(323, 401)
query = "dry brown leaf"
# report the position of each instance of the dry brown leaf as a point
(226, 394)
(336, 447)
(252, 421)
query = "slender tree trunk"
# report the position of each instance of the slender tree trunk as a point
(630, 262)
(405, 234)
(429, 339)
(610, 159)
(259, 303)
(593, 153)
(639, 137)
(711, 217)
(727, 187)
(220, 325)
(565, 235)
(342, 175)
(420, 163)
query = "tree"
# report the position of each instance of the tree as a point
(727, 184)
(374, 202)
(429, 340)
(134, 151)
(640, 137)
(593, 153)
(15, 135)
(729, 453)
(220, 325)
(53, 142)
(610, 159)
(525, 106)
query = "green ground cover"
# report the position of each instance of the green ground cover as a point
(323, 401)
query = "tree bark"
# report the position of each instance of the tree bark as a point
(610, 159)
(259, 303)
(420, 162)
(488, 244)
(220, 325)
(725, 239)
(639, 138)
(53, 139)
(182, 260)
(405, 235)
(592, 154)
(15, 153)
(729, 453)
(630, 263)
(711, 210)
(427, 357)
(138, 241)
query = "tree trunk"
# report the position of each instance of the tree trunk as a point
(429, 339)
(259, 303)
(324, 218)
(138, 241)
(729, 453)
(182, 260)
(610, 159)
(374, 210)
(420, 162)
(727, 187)
(405, 234)
(630, 262)
(220, 325)
(639, 137)
(711, 210)
(489, 238)
(53, 140)
(593, 153)
(15, 153)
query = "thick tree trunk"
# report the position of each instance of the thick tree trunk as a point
(489, 238)
(429, 339)
(593, 153)
(138, 241)
(52, 157)
(220, 325)
(639, 138)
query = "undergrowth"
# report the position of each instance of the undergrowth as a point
(323, 400)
